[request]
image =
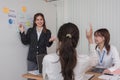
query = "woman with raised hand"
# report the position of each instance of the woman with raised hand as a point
(108, 54)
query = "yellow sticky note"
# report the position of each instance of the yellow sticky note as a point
(6, 10)
(27, 23)
(24, 9)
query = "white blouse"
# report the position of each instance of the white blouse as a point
(52, 66)
(110, 61)
(39, 32)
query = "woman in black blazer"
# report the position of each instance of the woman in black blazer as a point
(38, 37)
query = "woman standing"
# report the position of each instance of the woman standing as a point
(38, 38)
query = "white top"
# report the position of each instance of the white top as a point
(108, 60)
(39, 32)
(52, 66)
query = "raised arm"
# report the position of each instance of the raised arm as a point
(89, 35)
(92, 51)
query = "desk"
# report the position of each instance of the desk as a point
(96, 75)
(32, 76)
(39, 77)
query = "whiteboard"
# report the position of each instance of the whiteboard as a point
(13, 54)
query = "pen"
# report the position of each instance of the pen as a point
(108, 74)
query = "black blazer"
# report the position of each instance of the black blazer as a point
(36, 46)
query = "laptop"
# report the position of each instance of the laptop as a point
(39, 61)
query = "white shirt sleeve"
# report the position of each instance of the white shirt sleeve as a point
(93, 55)
(51, 67)
(44, 71)
(85, 62)
(116, 59)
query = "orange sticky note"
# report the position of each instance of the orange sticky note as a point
(6, 10)
(24, 9)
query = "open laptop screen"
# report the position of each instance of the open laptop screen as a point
(39, 61)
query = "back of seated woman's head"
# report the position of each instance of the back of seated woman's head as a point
(68, 36)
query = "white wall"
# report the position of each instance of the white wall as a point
(101, 13)
(13, 54)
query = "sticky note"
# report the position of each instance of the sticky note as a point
(10, 21)
(24, 9)
(27, 23)
(6, 10)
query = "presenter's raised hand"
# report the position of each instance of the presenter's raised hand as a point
(21, 28)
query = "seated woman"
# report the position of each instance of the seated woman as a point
(108, 54)
(67, 64)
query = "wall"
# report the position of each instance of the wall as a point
(100, 13)
(13, 53)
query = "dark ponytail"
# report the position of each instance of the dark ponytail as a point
(68, 36)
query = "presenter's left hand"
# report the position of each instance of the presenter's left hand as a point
(52, 39)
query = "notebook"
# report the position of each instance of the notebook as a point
(97, 70)
(39, 61)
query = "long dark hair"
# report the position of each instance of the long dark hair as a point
(35, 17)
(104, 33)
(68, 36)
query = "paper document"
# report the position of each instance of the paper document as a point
(109, 77)
(35, 72)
